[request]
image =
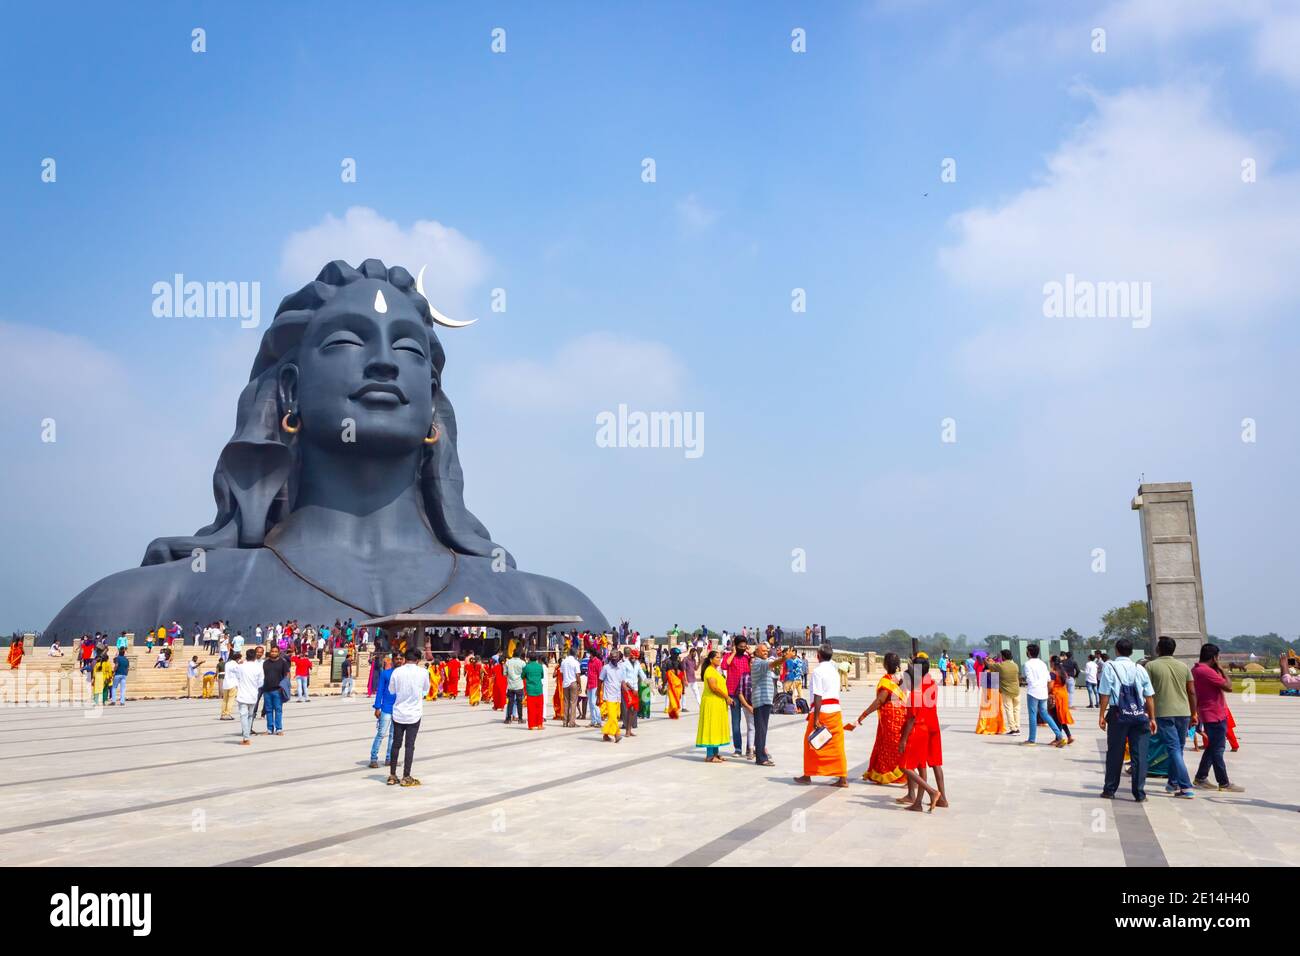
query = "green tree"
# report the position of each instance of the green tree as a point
(1131, 621)
(993, 643)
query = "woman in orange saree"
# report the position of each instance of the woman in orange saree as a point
(15, 653)
(472, 688)
(990, 719)
(673, 680)
(485, 682)
(884, 768)
(557, 699)
(1060, 694)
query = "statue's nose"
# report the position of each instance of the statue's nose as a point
(381, 369)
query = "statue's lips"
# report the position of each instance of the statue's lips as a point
(380, 395)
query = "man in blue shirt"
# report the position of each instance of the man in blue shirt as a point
(120, 667)
(1121, 726)
(383, 710)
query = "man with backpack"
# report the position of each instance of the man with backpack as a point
(1128, 715)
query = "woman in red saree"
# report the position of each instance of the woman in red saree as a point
(453, 678)
(884, 768)
(498, 684)
(15, 653)
(485, 681)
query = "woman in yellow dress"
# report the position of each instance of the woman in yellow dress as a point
(435, 679)
(103, 676)
(990, 719)
(713, 729)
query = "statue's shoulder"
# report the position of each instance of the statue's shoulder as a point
(150, 594)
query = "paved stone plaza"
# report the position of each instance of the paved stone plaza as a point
(164, 782)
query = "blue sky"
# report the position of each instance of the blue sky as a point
(775, 170)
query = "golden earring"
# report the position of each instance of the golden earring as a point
(434, 434)
(291, 429)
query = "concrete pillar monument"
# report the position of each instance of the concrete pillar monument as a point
(1172, 559)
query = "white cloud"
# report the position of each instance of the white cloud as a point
(1148, 189)
(693, 215)
(597, 370)
(1273, 28)
(457, 264)
(1141, 28)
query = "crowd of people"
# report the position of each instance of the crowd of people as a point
(1149, 710)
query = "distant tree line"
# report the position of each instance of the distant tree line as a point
(1129, 620)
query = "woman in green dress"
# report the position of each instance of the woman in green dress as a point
(644, 688)
(714, 727)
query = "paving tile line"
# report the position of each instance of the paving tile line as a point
(234, 790)
(388, 826)
(240, 755)
(748, 832)
(91, 751)
(1137, 837)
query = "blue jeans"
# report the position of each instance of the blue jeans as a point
(593, 708)
(274, 704)
(347, 687)
(1094, 698)
(302, 688)
(1137, 736)
(736, 740)
(1173, 734)
(1212, 756)
(515, 704)
(1038, 708)
(383, 729)
(119, 688)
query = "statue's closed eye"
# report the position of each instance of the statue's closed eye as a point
(342, 337)
(409, 345)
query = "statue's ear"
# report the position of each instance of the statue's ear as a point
(287, 385)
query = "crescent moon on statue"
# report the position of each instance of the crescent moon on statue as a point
(438, 316)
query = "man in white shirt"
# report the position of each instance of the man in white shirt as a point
(1090, 679)
(408, 686)
(1036, 679)
(570, 670)
(630, 671)
(229, 684)
(829, 760)
(248, 683)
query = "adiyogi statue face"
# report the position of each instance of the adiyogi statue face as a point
(362, 382)
(341, 492)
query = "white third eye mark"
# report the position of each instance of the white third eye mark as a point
(380, 305)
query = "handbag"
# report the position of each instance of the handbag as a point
(820, 737)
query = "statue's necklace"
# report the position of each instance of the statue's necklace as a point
(455, 561)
